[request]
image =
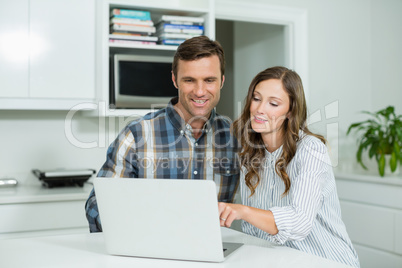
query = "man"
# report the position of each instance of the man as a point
(187, 139)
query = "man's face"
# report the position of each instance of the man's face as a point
(199, 83)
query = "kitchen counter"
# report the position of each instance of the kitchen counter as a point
(33, 210)
(38, 193)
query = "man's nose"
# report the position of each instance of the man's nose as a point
(199, 90)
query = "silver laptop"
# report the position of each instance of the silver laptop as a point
(161, 218)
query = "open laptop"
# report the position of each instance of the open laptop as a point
(161, 218)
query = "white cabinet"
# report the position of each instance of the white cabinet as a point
(62, 62)
(106, 50)
(32, 210)
(14, 53)
(372, 212)
(50, 62)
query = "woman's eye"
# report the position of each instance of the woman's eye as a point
(255, 99)
(274, 104)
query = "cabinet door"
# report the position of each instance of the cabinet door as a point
(62, 63)
(14, 48)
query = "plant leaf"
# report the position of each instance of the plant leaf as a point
(397, 150)
(353, 126)
(381, 165)
(393, 162)
(359, 157)
(372, 150)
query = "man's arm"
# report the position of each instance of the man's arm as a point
(91, 208)
(121, 162)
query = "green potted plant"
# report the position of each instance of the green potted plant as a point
(380, 135)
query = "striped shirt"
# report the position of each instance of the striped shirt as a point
(309, 216)
(161, 145)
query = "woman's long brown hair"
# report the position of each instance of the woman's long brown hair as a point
(253, 148)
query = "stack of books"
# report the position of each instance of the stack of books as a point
(174, 30)
(132, 27)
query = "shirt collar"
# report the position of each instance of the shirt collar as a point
(179, 123)
(275, 154)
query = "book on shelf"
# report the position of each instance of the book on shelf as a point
(137, 28)
(131, 21)
(130, 13)
(177, 36)
(170, 42)
(173, 28)
(123, 25)
(131, 42)
(130, 32)
(135, 37)
(184, 19)
(180, 22)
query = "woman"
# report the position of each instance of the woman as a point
(287, 184)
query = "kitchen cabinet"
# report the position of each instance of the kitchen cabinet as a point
(33, 210)
(50, 61)
(14, 58)
(372, 212)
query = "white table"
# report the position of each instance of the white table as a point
(88, 250)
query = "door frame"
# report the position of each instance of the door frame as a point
(295, 25)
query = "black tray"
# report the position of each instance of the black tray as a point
(63, 177)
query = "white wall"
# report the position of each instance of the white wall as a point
(386, 44)
(354, 59)
(354, 62)
(37, 139)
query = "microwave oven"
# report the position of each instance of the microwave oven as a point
(141, 81)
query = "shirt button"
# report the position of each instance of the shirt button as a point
(195, 172)
(181, 132)
(227, 171)
(196, 144)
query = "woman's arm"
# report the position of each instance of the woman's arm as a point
(262, 219)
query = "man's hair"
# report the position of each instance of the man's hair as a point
(197, 48)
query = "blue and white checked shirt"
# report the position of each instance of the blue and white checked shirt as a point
(161, 145)
(309, 216)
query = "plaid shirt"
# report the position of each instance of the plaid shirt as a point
(161, 145)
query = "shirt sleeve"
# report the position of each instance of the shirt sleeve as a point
(121, 159)
(295, 222)
(121, 162)
(92, 214)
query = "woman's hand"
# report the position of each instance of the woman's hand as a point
(262, 219)
(229, 212)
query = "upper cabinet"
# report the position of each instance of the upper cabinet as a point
(48, 47)
(107, 49)
(14, 50)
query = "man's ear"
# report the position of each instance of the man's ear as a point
(174, 81)
(223, 81)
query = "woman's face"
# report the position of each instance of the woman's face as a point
(269, 106)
